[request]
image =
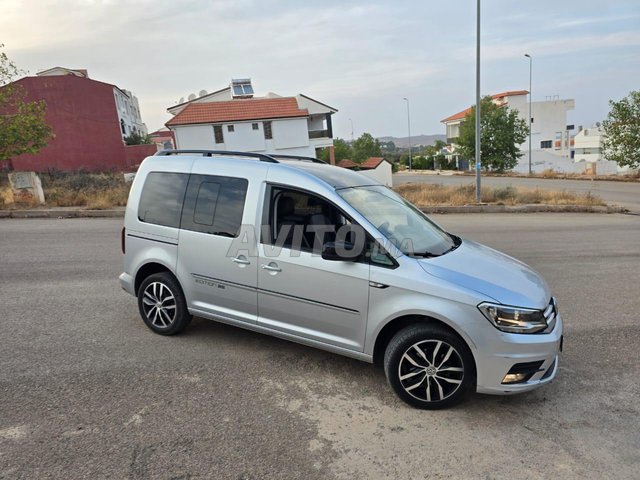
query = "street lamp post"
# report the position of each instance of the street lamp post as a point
(478, 163)
(530, 99)
(409, 128)
(351, 130)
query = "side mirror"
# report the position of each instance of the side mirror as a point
(340, 251)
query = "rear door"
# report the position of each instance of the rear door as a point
(215, 209)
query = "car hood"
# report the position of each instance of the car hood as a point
(491, 273)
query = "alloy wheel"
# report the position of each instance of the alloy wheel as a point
(431, 370)
(159, 305)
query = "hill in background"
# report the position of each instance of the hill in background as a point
(403, 142)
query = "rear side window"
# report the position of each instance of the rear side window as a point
(162, 197)
(214, 205)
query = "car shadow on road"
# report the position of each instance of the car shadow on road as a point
(295, 360)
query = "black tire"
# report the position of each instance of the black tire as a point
(159, 295)
(437, 377)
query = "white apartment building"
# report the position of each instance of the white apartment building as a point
(127, 104)
(129, 113)
(588, 144)
(234, 119)
(551, 139)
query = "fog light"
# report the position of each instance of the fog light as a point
(515, 377)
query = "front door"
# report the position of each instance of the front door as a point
(299, 292)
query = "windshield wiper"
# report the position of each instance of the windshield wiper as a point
(424, 254)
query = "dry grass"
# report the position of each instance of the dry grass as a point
(424, 195)
(95, 191)
(633, 176)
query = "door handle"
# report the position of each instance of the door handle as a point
(271, 267)
(241, 260)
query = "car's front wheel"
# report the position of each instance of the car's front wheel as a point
(162, 304)
(429, 366)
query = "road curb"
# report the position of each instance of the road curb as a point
(52, 213)
(524, 209)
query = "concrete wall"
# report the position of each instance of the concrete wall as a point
(244, 138)
(291, 133)
(383, 173)
(541, 161)
(196, 137)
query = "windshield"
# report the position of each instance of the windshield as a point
(399, 221)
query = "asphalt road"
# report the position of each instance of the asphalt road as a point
(87, 391)
(625, 194)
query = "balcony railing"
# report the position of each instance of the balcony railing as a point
(318, 133)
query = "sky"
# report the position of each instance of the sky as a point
(361, 57)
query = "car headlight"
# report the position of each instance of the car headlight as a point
(514, 319)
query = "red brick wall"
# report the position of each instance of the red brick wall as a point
(83, 115)
(135, 154)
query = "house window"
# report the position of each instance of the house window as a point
(545, 144)
(122, 126)
(254, 126)
(531, 118)
(268, 134)
(217, 133)
(230, 128)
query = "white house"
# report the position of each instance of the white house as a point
(127, 104)
(234, 119)
(373, 167)
(551, 139)
(588, 144)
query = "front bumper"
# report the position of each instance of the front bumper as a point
(513, 348)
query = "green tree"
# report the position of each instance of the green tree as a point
(341, 150)
(23, 128)
(365, 146)
(136, 138)
(502, 132)
(622, 131)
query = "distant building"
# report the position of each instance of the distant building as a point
(88, 120)
(374, 167)
(164, 139)
(551, 137)
(234, 119)
(588, 144)
(127, 104)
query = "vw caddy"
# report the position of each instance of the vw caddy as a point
(327, 257)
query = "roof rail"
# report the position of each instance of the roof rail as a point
(297, 157)
(210, 153)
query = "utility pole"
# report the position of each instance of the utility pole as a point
(478, 157)
(530, 100)
(351, 130)
(409, 128)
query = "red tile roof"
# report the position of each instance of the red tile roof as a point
(497, 96)
(346, 163)
(372, 162)
(238, 110)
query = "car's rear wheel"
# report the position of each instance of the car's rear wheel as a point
(162, 304)
(429, 366)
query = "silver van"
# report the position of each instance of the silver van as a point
(327, 257)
